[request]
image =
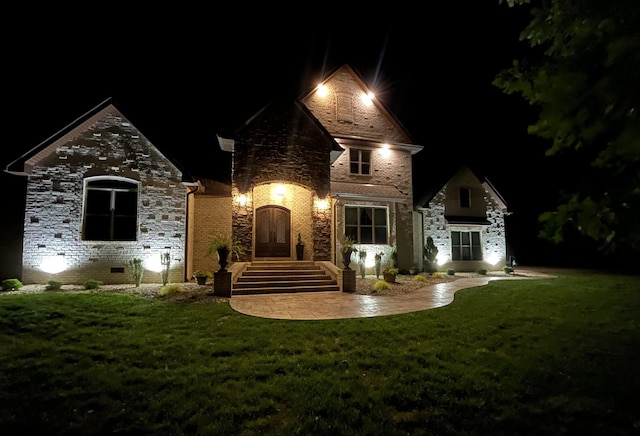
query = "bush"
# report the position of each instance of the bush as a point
(11, 284)
(381, 285)
(92, 284)
(507, 270)
(482, 271)
(451, 272)
(53, 285)
(171, 289)
(439, 275)
(419, 278)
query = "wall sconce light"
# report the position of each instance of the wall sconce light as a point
(322, 204)
(242, 199)
(280, 190)
(385, 151)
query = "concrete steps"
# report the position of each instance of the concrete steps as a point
(273, 277)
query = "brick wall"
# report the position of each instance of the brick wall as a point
(54, 207)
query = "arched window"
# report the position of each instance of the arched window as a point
(110, 210)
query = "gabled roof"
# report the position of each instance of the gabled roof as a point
(447, 177)
(402, 133)
(24, 164)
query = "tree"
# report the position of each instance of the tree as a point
(582, 74)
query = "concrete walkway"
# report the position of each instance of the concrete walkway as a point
(337, 305)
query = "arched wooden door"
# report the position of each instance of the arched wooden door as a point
(273, 231)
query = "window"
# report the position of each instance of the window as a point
(366, 225)
(465, 246)
(465, 197)
(111, 210)
(359, 161)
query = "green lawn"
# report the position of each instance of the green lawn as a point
(524, 357)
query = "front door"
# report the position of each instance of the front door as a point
(273, 232)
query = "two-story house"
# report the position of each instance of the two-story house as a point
(331, 163)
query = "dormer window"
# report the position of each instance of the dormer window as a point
(465, 197)
(360, 162)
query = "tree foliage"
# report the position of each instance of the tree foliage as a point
(582, 73)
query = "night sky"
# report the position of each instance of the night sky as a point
(184, 76)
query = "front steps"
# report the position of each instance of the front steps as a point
(271, 277)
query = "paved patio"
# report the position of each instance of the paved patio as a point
(337, 305)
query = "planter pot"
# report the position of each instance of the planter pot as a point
(202, 280)
(223, 256)
(299, 251)
(389, 278)
(346, 258)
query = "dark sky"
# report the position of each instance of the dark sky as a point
(184, 76)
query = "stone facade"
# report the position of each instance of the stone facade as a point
(53, 232)
(485, 207)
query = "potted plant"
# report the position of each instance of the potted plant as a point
(347, 248)
(299, 248)
(389, 274)
(223, 245)
(201, 276)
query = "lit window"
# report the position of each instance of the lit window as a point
(359, 161)
(465, 246)
(366, 225)
(111, 210)
(465, 197)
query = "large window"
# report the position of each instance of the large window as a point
(466, 246)
(111, 210)
(360, 161)
(366, 225)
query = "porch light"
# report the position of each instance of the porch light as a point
(322, 204)
(242, 199)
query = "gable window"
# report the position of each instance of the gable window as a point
(111, 210)
(359, 161)
(466, 246)
(366, 225)
(465, 197)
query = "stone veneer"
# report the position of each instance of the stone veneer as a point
(54, 207)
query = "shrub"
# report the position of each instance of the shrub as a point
(11, 284)
(53, 285)
(92, 284)
(451, 272)
(507, 270)
(381, 285)
(171, 289)
(419, 278)
(439, 275)
(482, 271)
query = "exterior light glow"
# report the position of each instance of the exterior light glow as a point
(385, 151)
(53, 264)
(367, 99)
(153, 263)
(493, 258)
(322, 90)
(242, 199)
(280, 190)
(441, 259)
(322, 204)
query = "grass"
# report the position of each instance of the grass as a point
(527, 357)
